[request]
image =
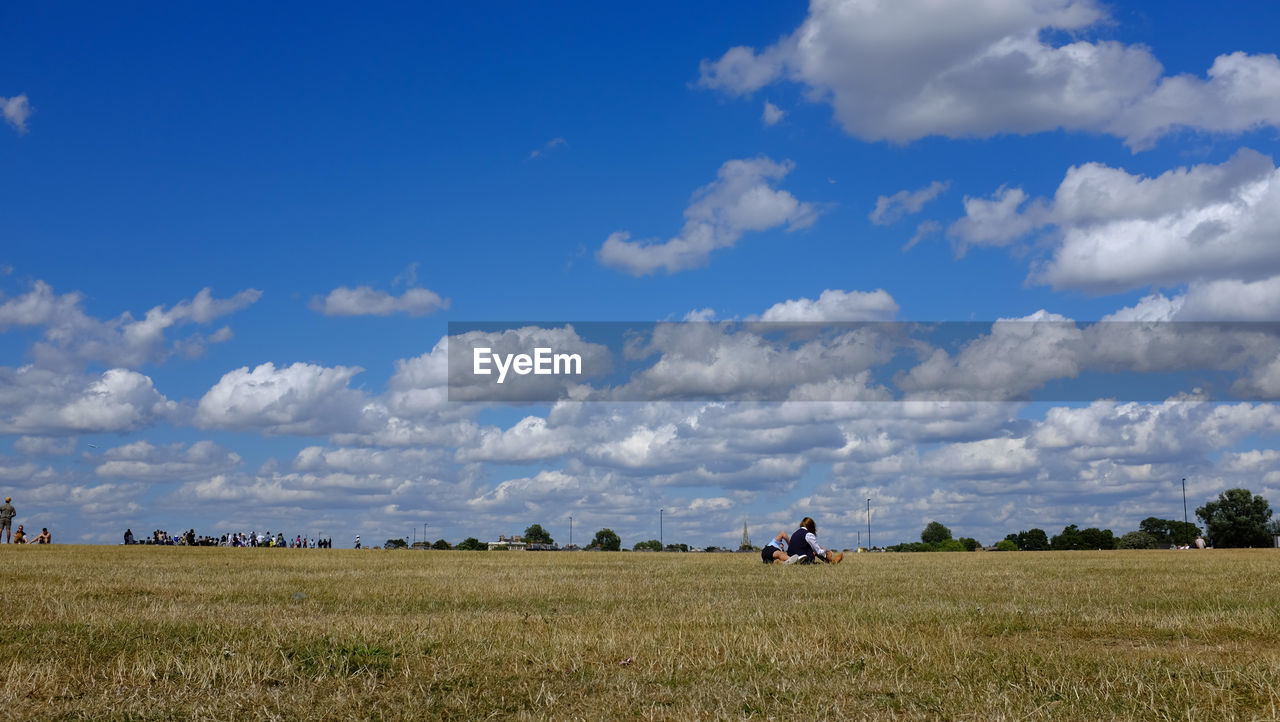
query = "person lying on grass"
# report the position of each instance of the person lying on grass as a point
(804, 547)
(775, 552)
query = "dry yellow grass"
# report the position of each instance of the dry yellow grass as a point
(170, 633)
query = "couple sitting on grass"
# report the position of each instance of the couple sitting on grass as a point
(801, 548)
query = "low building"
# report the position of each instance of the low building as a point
(513, 543)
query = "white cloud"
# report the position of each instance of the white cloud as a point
(923, 231)
(1241, 92)
(16, 110)
(988, 457)
(365, 301)
(1112, 231)
(908, 69)
(297, 399)
(1222, 300)
(772, 114)
(890, 209)
(530, 439)
(71, 335)
(145, 462)
(999, 221)
(39, 401)
(741, 199)
(835, 306)
(546, 148)
(45, 446)
(1017, 356)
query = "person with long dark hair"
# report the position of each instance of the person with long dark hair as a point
(804, 547)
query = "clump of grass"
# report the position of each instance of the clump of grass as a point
(147, 633)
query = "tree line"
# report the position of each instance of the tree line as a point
(1237, 519)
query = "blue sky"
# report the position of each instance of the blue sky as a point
(347, 181)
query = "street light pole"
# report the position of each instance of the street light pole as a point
(868, 523)
(661, 541)
(571, 531)
(1184, 501)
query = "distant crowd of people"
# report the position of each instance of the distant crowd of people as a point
(234, 539)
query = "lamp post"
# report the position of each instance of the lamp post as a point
(661, 541)
(868, 522)
(1184, 501)
(570, 532)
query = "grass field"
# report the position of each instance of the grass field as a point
(172, 633)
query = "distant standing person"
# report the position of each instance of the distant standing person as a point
(7, 513)
(357, 541)
(804, 547)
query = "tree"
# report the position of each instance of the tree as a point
(1136, 540)
(1070, 538)
(948, 545)
(652, 545)
(1237, 519)
(396, 544)
(970, 544)
(1095, 538)
(1168, 531)
(1005, 545)
(1031, 540)
(607, 540)
(537, 535)
(677, 548)
(442, 545)
(471, 544)
(934, 532)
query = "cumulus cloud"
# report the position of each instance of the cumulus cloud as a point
(772, 114)
(40, 401)
(72, 336)
(1112, 231)
(835, 305)
(365, 301)
(890, 209)
(146, 462)
(530, 439)
(300, 398)
(750, 362)
(45, 445)
(981, 69)
(1220, 300)
(16, 110)
(741, 199)
(1018, 355)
